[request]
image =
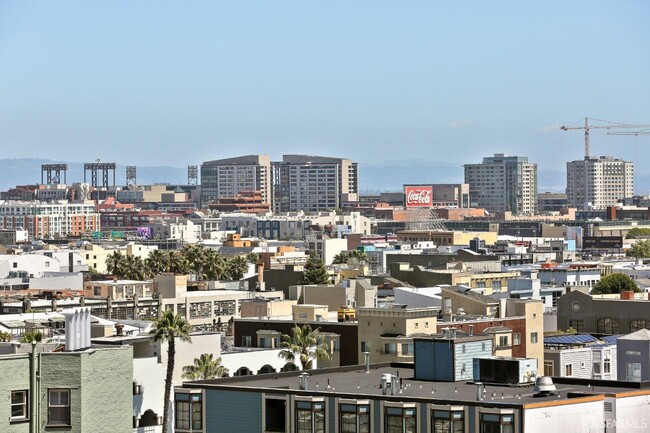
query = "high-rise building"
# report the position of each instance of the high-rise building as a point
(503, 183)
(313, 183)
(596, 183)
(225, 178)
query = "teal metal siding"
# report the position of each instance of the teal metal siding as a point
(224, 412)
(443, 361)
(378, 415)
(423, 357)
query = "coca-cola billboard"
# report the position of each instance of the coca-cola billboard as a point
(418, 196)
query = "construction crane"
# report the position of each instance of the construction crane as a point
(605, 124)
(641, 132)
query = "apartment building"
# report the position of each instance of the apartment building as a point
(42, 219)
(596, 183)
(388, 398)
(313, 183)
(503, 183)
(224, 178)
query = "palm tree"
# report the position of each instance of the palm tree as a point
(32, 337)
(204, 367)
(5, 336)
(341, 258)
(178, 264)
(304, 344)
(134, 268)
(116, 264)
(195, 255)
(215, 266)
(157, 262)
(169, 327)
(237, 267)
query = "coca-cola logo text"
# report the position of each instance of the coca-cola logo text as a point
(418, 197)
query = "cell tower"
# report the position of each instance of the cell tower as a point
(131, 176)
(95, 168)
(51, 174)
(192, 174)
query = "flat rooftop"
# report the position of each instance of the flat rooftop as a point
(353, 382)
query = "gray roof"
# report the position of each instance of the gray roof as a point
(353, 382)
(641, 334)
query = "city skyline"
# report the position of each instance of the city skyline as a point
(359, 81)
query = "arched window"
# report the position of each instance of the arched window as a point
(266, 369)
(243, 371)
(607, 325)
(289, 366)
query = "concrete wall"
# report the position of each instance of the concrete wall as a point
(570, 417)
(14, 376)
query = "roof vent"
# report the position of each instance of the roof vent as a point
(544, 386)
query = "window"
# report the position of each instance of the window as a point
(533, 337)
(636, 325)
(548, 368)
(354, 418)
(568, 370)
(607, 365)
(310, 417)
(443, 421)
(407, 348)
(189, 411)
(58, 407)
(503, 341)
(497, 423)
(400, 420)
(606, 325)
(246, 341)
(516, 338)
(578, 325)
(275, 414)
(390, 348)
(19, 405)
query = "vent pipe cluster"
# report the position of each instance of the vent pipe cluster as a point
(77, 329)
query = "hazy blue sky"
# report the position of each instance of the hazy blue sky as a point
(157, 82)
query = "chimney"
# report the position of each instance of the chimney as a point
(471, 330)
(452, 333)
(302, 381)
(367, 357)
(119, 329)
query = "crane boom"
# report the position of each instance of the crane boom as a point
(607, 125)
(641, 132)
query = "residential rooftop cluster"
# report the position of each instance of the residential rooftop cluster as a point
(288, 301)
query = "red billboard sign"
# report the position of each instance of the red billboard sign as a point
(418, 196)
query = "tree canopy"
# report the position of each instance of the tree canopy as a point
(304, 345)
(640, 250)
(614, 283)
(205, 367)
(344, 256)
(315, 272)
(637, 232)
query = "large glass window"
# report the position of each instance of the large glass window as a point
(607, 326)
(354, 418)
(400, 420)
(275, 414)
(444, 421)
(19, 405)
(497, 423)
(310, 417)
(636, 325)
(189, 411)
(58, 407)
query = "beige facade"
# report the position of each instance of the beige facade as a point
(120, 289)
(309, 312)
(503, 183)
(596, 183)
(261, 307)
(387, 333)
(440, 237)
(203, 307)
(533, 311)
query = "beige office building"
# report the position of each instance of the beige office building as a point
(503, 183)
(596, 183)
(225, 178)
